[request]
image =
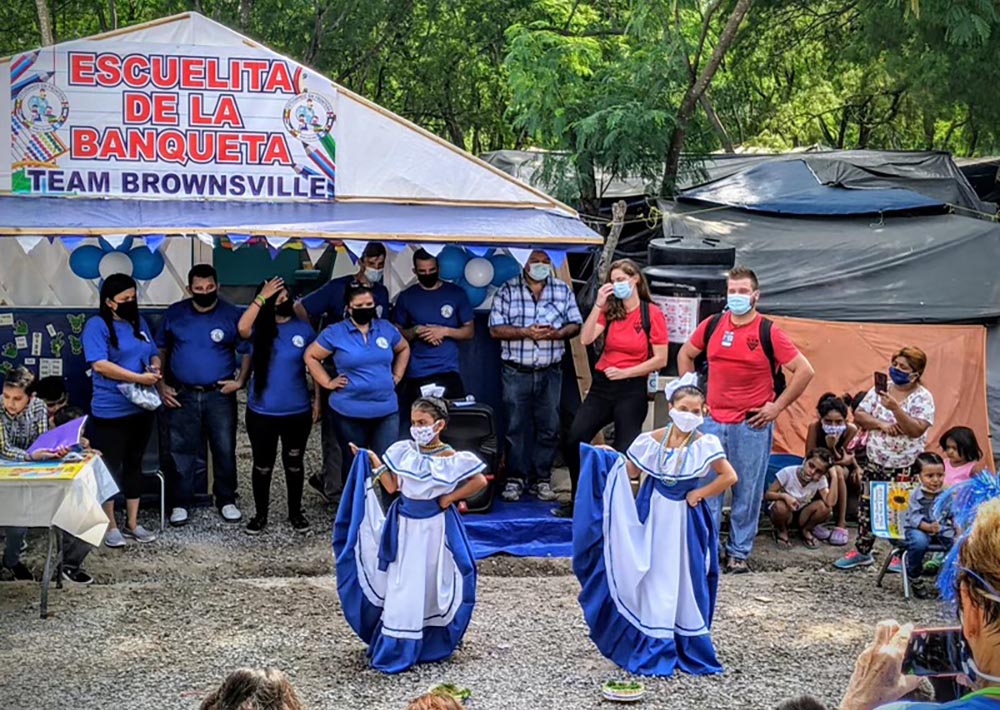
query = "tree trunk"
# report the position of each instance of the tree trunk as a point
(113, 7)
(713, 118)
(246, 8)
(45, 22)
(611, 241)
(695, 92)
(590, 204)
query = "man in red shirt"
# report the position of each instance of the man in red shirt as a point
(742, 399)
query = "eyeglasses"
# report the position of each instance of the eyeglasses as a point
(986, 589)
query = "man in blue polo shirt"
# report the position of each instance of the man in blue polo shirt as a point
(205, 365)
(325, 306)
(433, 316)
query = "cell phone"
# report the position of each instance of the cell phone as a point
(934, 652)
(881, 383)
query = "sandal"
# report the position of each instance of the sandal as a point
(822, 532)
(782, 541)
(735, 566)
(838, 537)
(809, 541)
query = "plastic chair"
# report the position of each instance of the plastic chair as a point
(151, 467)
(888, 505)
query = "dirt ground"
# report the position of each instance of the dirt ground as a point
(165, 622)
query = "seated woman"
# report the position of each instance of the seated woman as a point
(407, 578)
(802, 496)
(649, 567)
(24, 418)
(834, 432)
(969, 580)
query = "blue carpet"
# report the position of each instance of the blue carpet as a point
(522, 529)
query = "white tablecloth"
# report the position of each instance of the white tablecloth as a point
(72, 505)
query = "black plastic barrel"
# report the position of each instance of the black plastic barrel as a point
(687, 267)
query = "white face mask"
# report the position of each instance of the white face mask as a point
(374, 275)
(423, 435)
(539, 271)
(686, 421)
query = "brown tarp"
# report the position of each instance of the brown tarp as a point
(845, 355)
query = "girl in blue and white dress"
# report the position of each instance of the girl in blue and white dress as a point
(407, 578)
(649, 566)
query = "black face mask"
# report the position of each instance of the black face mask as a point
(129, 311)
(428, 280)
(205, 300)
(363, 316)
(285, 309)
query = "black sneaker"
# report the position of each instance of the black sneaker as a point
(563, 511)
(21, 573)
(317, 485)
(299, 522)
(256, 525)
(77, 576)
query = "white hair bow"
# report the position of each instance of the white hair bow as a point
(688, 380)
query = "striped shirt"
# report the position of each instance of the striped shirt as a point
(515, 305)
(18, 433)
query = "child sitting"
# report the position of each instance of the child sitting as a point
(803, 496)
(832, 431)
(923, 528)
(961, 454)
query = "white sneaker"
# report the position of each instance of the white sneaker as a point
(114, 538)
(231, 514)
(512, 491)
(544, 491)
(139, 534)
(178, 517)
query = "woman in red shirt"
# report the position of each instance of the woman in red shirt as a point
(618, 392)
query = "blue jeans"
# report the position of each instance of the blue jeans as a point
(917, 543)
(748, 450)
(532, 403)
(212, 415)
(373, 434)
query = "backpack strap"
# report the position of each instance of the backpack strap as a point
(646, 326)
(767, 344)
(713, 323)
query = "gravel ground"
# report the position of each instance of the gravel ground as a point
(167, 621)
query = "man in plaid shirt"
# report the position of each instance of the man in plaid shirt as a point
(533, 316)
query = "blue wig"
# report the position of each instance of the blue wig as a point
(961, 503)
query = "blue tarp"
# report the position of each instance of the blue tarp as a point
(791, 187)
(523, 529)
(330, 220)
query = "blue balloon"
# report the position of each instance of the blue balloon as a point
(451, 263)
(476, 295)
(85, 261)
(504, 268)
(146, 264)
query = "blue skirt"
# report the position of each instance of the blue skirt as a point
(651, 611)
(420, 633)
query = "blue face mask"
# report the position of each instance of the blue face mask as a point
(623, 289)
(899, 377)
(739, 304)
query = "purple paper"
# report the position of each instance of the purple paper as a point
(67, 435)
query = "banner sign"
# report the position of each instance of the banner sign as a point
(197, 122)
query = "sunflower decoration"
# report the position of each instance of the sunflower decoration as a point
(899, 498)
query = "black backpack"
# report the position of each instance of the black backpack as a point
(777, 375)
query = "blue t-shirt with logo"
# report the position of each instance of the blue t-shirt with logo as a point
(286, 391)
(366, 362)
(202, 347)
(133, 354)
(327, 302)
(447, 305)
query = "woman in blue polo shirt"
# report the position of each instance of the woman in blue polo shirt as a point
(278, 404)
(370, 356)
(119, 348)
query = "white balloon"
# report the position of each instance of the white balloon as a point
(478, 272)
(115, 262)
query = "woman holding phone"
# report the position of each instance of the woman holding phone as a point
(635, 345)
(897, 414)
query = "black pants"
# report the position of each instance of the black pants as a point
(122, 442)
(264, 432)
(622, 402)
